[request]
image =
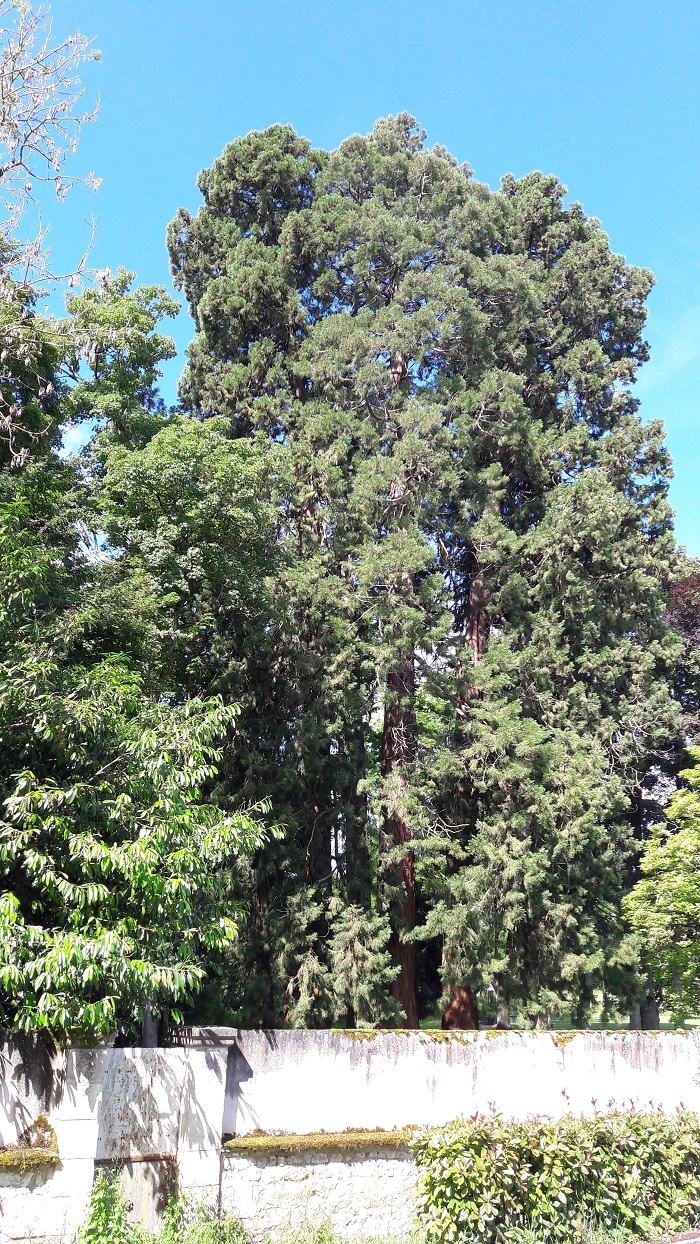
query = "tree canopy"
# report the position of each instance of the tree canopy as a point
(475, 543)
(398, 575)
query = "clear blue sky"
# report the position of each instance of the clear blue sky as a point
(603, 93)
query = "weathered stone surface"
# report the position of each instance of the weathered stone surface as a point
(157, 1109)
(297, 1081)
(361, 1195)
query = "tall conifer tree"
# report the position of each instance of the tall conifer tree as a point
(469, 653)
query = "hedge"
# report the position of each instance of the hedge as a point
(490, 1180)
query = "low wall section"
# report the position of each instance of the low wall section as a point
(163, 1114)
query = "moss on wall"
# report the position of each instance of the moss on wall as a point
(312, 1142)
(16, 1159)
(425, 1036)
(37, 1147)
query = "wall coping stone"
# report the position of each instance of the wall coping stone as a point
(355, 1139)
(16, 1158)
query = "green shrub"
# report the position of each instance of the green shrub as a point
(106, 1221)
(489, 1180)
(184, 1221)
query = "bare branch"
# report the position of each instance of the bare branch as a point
(40, 117)
(40, 122)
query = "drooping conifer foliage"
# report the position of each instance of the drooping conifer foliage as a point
(462, 668)
(396, 576)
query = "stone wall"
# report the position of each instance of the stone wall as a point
(157, 1112)
(148, 1111)
(364, 1194)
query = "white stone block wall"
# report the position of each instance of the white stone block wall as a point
(159, 1110)
(150, 1110)
(362, 1195)
(46, 1203)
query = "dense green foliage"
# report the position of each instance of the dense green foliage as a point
(396, 576)
(617, 1177)
(490, 1180)
(470, 664)
(115, 865)
(664, 905)
(112, 860)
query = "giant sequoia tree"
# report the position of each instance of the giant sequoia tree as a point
(464, 668)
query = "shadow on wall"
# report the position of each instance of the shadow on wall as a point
(32, 1076)
(147, 1102)
(236, 1112)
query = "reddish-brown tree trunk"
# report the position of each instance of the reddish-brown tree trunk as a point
(403, 911)
(462, 1011)
(398, 750)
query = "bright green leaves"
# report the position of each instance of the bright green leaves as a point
(111, 335)
(664, 905)
(112, 863)
(491, 1180)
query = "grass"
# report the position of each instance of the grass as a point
(352, 1139)
(15, 1158)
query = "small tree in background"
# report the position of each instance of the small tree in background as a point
(664, 905)
(362, 969)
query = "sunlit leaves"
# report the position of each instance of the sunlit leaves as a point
(111, 860)
(664, 905)
(489, 1179)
